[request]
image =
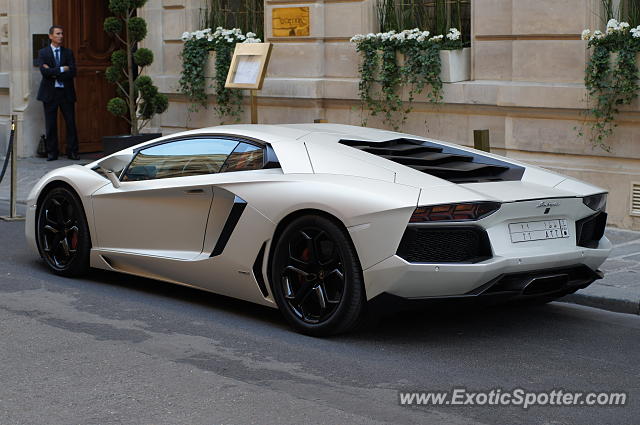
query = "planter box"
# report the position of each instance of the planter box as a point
(456, 65)
(113, 144)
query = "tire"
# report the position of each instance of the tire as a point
(316, 277)
(62, 233)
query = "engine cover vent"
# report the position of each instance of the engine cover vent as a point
(445, 162)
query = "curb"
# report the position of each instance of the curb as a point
(603, 303)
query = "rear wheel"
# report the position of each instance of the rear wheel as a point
(316, 277)
(62, 233)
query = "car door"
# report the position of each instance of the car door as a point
(162, 205)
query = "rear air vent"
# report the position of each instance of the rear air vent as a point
(635, 198)
(448, 163)
(455, 244)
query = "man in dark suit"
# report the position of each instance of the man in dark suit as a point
(58, 69)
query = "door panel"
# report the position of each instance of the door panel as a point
(166, 218)
(92, 47)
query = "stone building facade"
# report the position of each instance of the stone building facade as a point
(526, 87)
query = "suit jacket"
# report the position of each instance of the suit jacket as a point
(51, 74)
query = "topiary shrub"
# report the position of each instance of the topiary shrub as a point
(138, 99)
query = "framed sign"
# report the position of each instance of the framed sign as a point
(248, 66)
(290, 21)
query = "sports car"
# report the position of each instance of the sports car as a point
(318, 220)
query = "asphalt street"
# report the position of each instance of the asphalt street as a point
(112, 349)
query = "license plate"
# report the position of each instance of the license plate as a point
(538, 230)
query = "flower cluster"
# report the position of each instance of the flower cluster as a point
(220, 34)
(614, 29)
(414, 37)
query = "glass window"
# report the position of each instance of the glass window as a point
(180, 159)
(244, 157)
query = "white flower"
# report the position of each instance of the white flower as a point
(210, 37)
(421, 38)
(612, 23)
(586, 34)
(355, 39)
(597, 34)
(228, 39)
(241, 37)
(252, 34)
(453, 34)
(623, 26)
(425, 34)
(186, 36)
(206, 30)
(635, 32)
(436, 38)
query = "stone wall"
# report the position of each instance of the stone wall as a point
(526, 88)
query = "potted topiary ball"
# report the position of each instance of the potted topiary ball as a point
(138, 99)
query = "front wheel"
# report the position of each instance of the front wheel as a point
(316, 277)
(62, 233)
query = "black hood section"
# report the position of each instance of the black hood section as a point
(451, 164)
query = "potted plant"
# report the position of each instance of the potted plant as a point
(138, 99)
(455, 59)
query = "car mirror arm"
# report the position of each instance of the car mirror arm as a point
(111, 176)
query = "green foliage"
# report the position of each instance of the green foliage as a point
(137, 29)
(117, 106)
(119, 58)
(611, 80)
(138, 99)
(380, 69)
(194, 59)
(112, 25)
(119, 7)
(437, 16)
(143, 57)
(245, 14)
(113, 74)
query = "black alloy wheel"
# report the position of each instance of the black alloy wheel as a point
(317, 278)
(62, 233)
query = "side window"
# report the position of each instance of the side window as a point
(244, 157)
(180, 159)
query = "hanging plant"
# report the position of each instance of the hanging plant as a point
(610, 81)
(419, 69)
(195, 53)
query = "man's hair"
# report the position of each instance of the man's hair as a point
(53, 27)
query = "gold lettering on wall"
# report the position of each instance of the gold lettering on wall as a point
(290, 21)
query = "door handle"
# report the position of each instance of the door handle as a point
(194, 191)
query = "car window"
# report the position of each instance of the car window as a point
(180, 159)
(244, 157)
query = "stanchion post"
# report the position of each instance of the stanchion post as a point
(13, 215)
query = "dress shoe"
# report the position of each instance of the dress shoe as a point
(52, 157)
(74, 156)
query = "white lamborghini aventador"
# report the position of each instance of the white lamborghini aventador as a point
(319, 219)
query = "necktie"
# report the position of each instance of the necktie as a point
(57, 57)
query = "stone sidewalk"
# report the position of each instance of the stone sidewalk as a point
(619, 290)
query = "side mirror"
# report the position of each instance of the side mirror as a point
(111, 176)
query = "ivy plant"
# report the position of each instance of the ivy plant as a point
(382, 76)
(611, 76)
(195, 53)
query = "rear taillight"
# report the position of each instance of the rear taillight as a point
(454, 212)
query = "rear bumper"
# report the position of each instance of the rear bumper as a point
(397, 277)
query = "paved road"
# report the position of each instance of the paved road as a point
(113, 349)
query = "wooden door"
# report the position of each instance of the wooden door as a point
(83, 33)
